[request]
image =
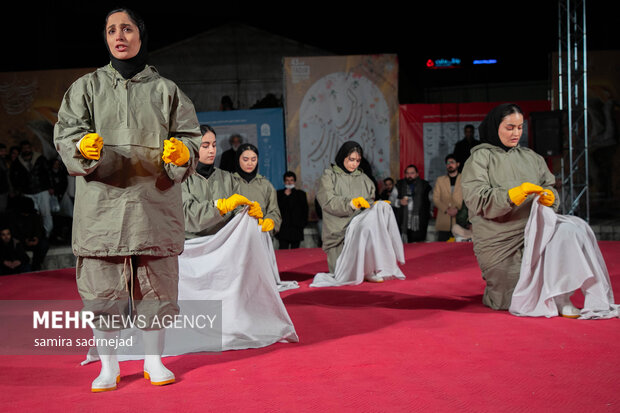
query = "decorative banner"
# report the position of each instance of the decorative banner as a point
(263, 128)
(428, 132)
(330, 100)
(30, 103)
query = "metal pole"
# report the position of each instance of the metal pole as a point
(585, 114)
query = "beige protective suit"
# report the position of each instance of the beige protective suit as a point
(200, 196)
(498, 225)
(128, 215)
(260, 190)
(336, 190)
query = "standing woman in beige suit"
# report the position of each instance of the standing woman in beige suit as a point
(448, 198)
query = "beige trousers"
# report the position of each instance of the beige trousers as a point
(141, 286)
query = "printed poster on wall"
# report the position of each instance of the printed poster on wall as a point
(29, 104)
(428, 132)
(330, 100)
(263, 128)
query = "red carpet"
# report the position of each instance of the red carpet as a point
(423, 344)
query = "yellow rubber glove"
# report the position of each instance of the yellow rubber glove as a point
(519, 193)
(175, 151)
(226, 205)
(546, 198)
(255, 210)
(359, 202)
(90, 146)
(266, 224)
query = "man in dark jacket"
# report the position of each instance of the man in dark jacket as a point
(228, 162)
(30, 177)
(411, 199)
(293, 206)
(463, 147)
(13, 258)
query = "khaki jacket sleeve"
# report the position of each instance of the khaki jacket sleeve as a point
(482, 199)
(75, 119)
(330, 202)
(273, 211)
(199, 214)
(547, 180)
(184, 126)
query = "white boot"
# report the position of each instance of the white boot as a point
(374, 278)
(110, 373)
(566, 307)
(154, 369)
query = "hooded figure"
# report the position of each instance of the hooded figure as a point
(130, 137)
(256, 187)
(496, 181)
(343, 191)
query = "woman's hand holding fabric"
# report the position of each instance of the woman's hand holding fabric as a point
(90, 146)
(359, 202)
(266, 224)
(546, 198)
(226, 205)
(175, 151)
(519, 193)
(255, 210)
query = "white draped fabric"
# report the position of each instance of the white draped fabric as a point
(561, 255)
(372, 246)
(236, 266)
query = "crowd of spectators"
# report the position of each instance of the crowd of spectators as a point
(36, 205)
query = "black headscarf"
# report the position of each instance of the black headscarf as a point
(345, 150)
(205, 169)
(490, 125)
(247, 176)
(128, 68)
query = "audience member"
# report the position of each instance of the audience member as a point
(13, 154)
(319, 221)
(388, 186)
(13, 257)
(411, 199)
(29, 176)
(5, 183)
(226, 103)
(462, 148)
(228, 162)
(62, 213)
(28, 229)
(293, 205)
(448, 198)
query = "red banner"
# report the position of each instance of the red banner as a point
(428, 132)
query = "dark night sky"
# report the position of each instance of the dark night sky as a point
(521, 34)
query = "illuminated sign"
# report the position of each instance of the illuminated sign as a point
(485, 61)
(443, 63)
(455, 63)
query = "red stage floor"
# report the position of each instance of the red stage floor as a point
(423, 344)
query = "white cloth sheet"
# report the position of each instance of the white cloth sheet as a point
(561, 255)
(372, 246)
(237, 266)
